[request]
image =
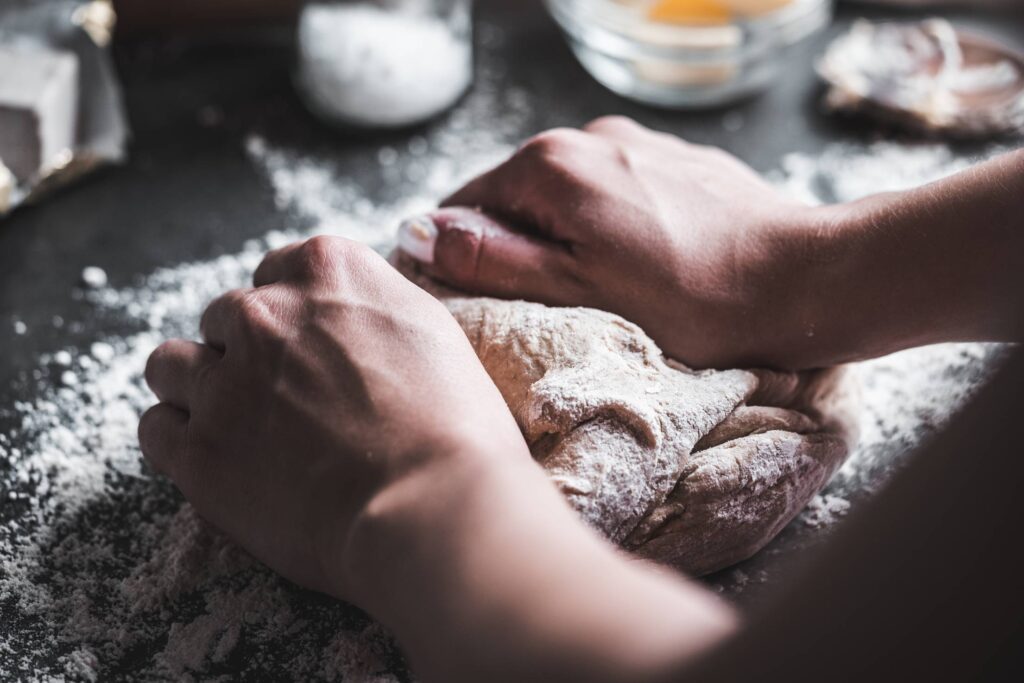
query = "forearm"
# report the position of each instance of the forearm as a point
(484, 573)
(940, 263)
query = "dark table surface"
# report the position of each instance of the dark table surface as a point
(190, 192)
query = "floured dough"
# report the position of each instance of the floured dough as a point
(696, 469)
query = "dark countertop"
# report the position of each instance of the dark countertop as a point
(189, 191)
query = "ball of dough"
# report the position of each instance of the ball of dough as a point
(698, 470)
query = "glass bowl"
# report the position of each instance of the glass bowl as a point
(685, 65)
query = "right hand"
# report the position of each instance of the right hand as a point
(684, 240)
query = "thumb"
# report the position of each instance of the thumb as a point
(475, 252)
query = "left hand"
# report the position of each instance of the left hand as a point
(332, 380)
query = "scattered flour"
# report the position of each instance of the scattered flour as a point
(845, 172)
(94, 277)
(104, 574)
(824, 510)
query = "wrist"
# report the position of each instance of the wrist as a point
(816, 259)
(845, 274)
(418, 507)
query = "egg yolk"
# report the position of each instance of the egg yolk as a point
(709, 11)
(690, 11)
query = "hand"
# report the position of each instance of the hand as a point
(684, 240)
(337, 424)
(332, 380)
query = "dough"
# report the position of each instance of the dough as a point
(694, 469)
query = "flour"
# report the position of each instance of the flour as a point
(846, 172)
(824, 510)
(928, 76)
(105, 575)
(364, 65)
(94, 277)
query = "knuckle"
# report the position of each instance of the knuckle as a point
(159, 359)
(551, 144)
(255, 315)
(318, 254)
(326, 258)
(353, 253)
(359, 267)
(611, 123)
(266, 264)
(232, 300)
(224, 307)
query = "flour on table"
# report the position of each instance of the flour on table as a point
(824, 510)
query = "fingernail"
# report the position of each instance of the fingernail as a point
(417, 237)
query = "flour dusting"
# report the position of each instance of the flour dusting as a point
(824, 510)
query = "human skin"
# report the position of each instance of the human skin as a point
(720, 268)
(336, 423)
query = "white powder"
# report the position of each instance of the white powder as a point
(824, 510)
(921, 71)
(103, 571)
(94, 277)
(361, 64)
(845, 172)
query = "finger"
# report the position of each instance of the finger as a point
(317, 259)
(174, 368)
(163, 437)
(472, 251)
(277, 265)
(533, 185)
(221, 317)
(748, 420)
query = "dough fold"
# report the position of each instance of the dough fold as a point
(698, 470)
